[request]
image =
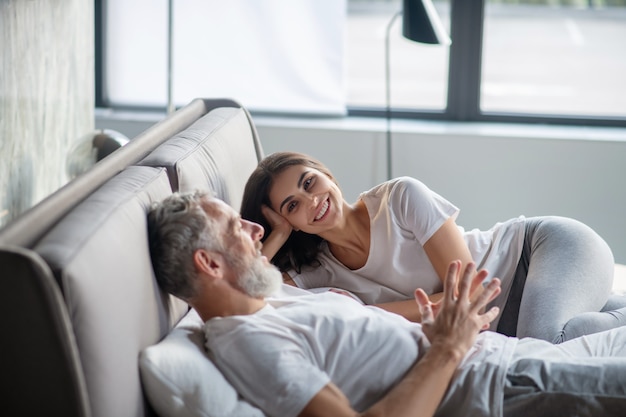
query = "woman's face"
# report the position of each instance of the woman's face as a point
(307, 198)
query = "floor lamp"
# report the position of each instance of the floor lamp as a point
(420, 23)
(170, 57)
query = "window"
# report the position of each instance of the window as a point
(560, 58)
(272, 55)
(418, 72)
(548, 61)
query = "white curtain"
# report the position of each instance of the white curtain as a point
(270, 55)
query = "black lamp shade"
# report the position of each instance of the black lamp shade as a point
(420, 23)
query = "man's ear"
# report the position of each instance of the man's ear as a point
(208, 262)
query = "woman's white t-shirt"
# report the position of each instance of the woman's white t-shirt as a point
(404, 213)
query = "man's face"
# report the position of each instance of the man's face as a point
(252, 272)
(258, 279)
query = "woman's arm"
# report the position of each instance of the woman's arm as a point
(451, 334)
(446, 245)
(288, 280)
(443, 247)
(407, 308)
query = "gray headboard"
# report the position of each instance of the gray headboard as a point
(100, 258)
(214, 153)
(79, 293)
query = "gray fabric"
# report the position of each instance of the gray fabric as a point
(615, 302)
(581, 377)
(100, 257)
(218, 153)
(562, 283)
(31, 225)
(98, 250)
(181, 380)
(38, 355)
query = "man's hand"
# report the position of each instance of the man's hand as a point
(459, 319)
(451, 333)
(476, 288)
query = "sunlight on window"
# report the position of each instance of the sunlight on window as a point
(553, 58)
(418, 72)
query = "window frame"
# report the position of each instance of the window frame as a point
(464, 79)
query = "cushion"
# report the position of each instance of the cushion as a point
(218, 153)
(180, 380)
(100, 257)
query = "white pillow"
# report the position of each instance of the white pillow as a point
(180, 380)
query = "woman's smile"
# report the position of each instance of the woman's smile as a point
(323, 211)
(307, 198)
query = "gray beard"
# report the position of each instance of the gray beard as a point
(258, 279)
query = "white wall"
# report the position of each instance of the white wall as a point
(46, 96)
(492, 172)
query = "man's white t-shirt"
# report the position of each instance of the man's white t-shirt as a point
(280, 357)
(404, 213)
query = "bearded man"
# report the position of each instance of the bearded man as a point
(327, 355)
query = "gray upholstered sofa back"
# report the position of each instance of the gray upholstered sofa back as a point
(77, 283)
(99, 256)
(218, 153)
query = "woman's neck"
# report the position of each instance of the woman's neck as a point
(349, 242)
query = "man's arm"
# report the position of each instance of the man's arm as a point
(418, 394)
(451, 334)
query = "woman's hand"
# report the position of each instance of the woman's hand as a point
(281, 230)
(276, 221)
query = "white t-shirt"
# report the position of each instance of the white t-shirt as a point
(404, 213)
(280, 357)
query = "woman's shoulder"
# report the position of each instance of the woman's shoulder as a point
(407, 190)
(403, 184)
(394, 186)
(395, 194)
(408, 196)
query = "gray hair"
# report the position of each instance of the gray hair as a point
(177, 227)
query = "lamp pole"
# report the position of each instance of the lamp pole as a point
(170, 57)
(388, 91)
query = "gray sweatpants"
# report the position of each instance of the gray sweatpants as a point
(580, 377)
(562, 284)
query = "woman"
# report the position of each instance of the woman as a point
(556, 272)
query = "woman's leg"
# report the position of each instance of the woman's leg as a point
(570, 272)
(615, 302)
(593, 322)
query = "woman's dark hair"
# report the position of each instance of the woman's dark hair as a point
(301, 248)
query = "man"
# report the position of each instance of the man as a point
(327, 355)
